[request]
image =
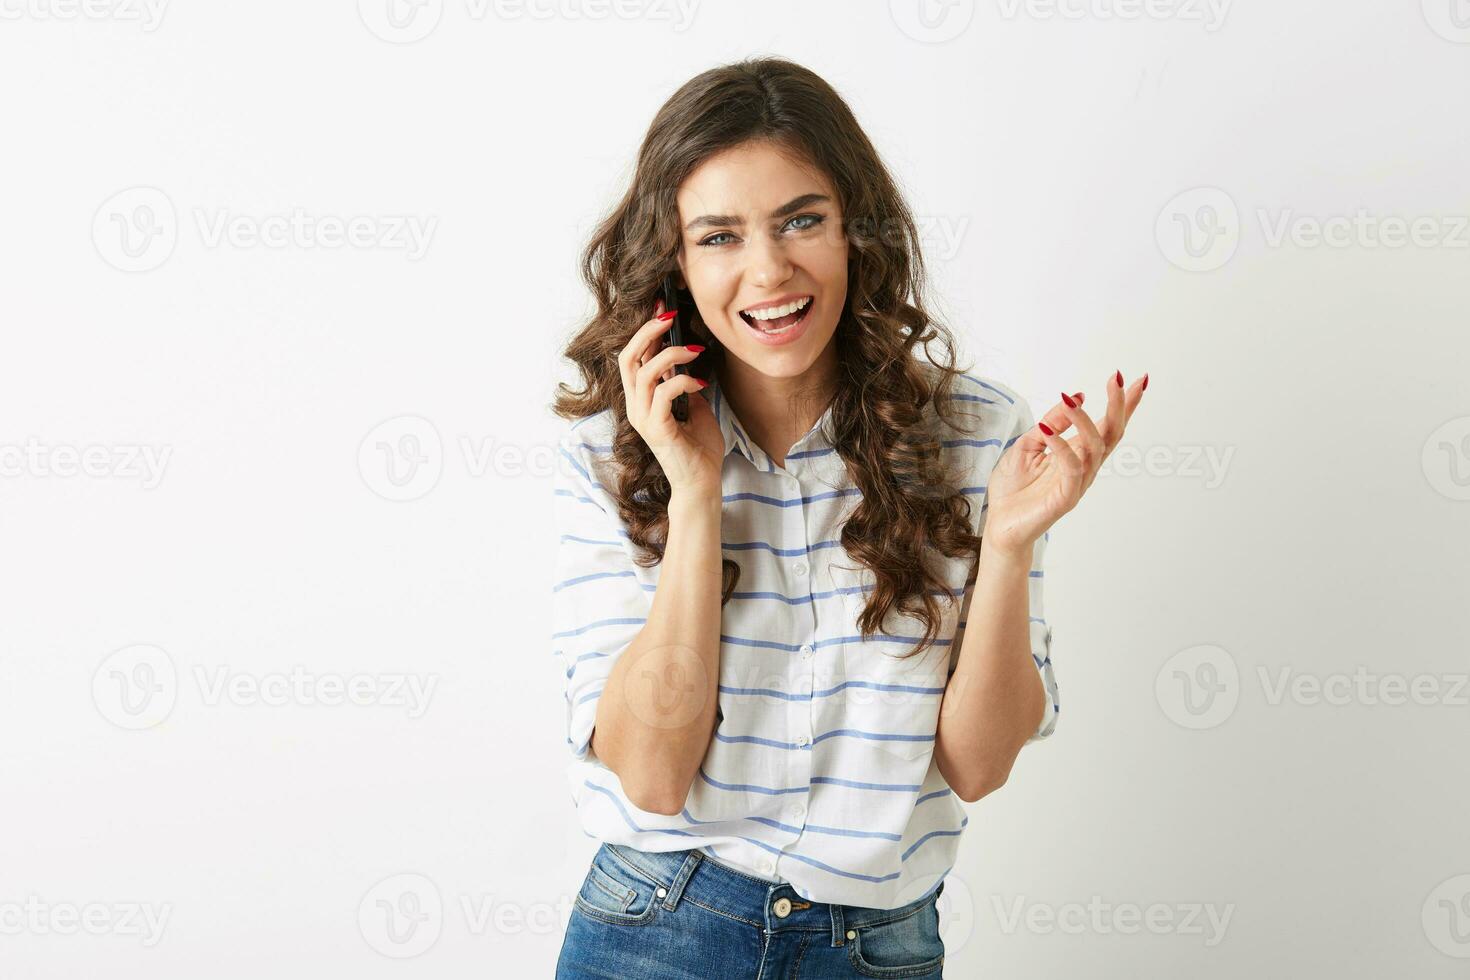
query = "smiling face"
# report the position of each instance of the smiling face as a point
(764, 256)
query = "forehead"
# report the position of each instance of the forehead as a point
(753, 178)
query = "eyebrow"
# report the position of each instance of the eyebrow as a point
(728, 220)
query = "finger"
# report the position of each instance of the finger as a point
(654, 348)
(1073, 470)
(664, 395)
(633, 352)
(636, 351)
(1032, 442)
(1057, 416)
(660, 363)
(1089, 439)
(1121, 403)
(1101, 447)
(651, 328)
(1137, 396)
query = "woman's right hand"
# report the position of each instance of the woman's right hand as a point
(691, 453)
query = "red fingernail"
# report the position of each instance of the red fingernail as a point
(668, 316)
(702, 383)
(1144, 386)
(1068, 400)
(694, 347)
(1118, 377)
(1045, 428)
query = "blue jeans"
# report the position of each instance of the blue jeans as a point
(682, 915)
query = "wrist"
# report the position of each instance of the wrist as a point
(694, 502)
(1004, 558)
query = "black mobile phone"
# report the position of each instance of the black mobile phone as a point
(674, 337)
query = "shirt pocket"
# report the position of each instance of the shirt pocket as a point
(889, 705)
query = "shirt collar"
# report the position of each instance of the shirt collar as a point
(820, 436)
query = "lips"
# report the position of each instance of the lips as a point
(782, 330)
(777, 314)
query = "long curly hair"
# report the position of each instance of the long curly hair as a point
(888, 403)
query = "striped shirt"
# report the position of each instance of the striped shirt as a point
(820, 772)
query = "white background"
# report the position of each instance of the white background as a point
(1046, 154)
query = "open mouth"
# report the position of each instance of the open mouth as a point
(779, 320)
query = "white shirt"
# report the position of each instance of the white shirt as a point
(820, 772)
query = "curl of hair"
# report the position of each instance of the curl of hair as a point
(890, 407)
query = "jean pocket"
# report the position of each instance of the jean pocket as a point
(615, 892)
(906, 947)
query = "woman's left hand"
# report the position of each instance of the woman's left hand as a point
(1030, 488)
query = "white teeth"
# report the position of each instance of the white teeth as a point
(776, 312)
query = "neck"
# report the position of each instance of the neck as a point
(778, 411)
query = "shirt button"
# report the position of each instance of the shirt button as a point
(782, 907)
(768, 866)
(806, 649)
(799, 568)
(796, 812)
(802, 740)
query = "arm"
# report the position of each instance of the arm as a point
(995, 700)
(1001, 692)
(640, 666)
(994, 703)
(656, 715)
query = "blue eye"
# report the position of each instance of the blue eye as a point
(814, 219)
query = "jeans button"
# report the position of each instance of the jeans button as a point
(782, 908)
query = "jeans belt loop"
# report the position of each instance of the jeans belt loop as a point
(681, 878)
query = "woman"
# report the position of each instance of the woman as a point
(760, 610)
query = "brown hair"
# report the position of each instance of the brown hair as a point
(885, 397)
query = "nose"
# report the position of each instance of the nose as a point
(767, 263)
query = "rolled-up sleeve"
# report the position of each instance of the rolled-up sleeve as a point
(1041, 643)
(598, 599)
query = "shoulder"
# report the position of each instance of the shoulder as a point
(986, 390)
(590, 430)
(585, 446)
(987, 406)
